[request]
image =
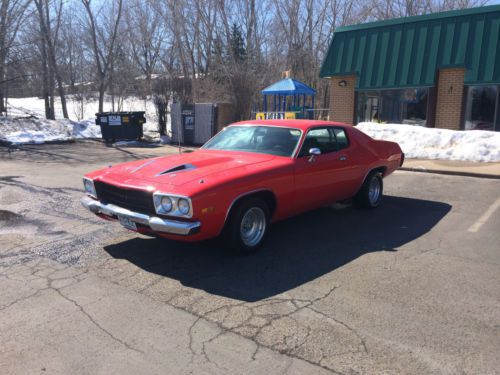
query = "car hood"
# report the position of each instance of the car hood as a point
(181, 169)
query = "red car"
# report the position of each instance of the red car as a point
(249, 175)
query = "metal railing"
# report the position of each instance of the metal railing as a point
(309, 114)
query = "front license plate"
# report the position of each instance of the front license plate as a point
(127, 223)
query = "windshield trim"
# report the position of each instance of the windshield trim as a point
(292, 156)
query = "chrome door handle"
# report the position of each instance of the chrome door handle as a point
(342, 158)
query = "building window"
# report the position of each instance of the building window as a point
(408, 106)
(482, 108)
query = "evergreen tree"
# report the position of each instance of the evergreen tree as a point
(238, 49)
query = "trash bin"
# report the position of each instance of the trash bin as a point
(120, 125)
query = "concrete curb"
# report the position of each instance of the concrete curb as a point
(450, 173)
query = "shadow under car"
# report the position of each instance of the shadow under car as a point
(297, 250)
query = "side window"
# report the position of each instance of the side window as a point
(342, 140)
(322, 138)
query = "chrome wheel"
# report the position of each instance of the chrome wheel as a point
(374, 191)
(253, 226)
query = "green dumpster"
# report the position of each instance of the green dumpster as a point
(120, 125)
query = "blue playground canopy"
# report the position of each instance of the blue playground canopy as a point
(289, 95)
(288, 86)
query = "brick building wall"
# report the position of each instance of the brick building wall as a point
(342, 99)
(450, 97)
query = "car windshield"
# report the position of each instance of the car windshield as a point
(261, 139)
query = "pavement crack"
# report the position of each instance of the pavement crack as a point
(204, 349)
(298, 303)
(348, 327)
(307, 303)
(191, 338)
(35, 294)
(256, 351)
(303, 341)
(93, 321)
(426, 251)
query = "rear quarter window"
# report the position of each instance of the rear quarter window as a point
(342, 140)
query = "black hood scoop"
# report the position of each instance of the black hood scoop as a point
(178, 168)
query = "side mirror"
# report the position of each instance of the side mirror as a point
(313, 152)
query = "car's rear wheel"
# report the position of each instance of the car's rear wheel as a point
(247, 225)
(370, 194)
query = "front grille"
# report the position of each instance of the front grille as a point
(134, 200)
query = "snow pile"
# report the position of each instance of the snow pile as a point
(86, 110)
(430, 143)
(21, 130)
(26, 123)
(84, 129)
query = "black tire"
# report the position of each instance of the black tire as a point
(233, 231)
(367, 198)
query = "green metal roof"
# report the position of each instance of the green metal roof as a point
(407, 52)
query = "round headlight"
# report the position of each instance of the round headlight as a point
(183, 206)
(166, 204)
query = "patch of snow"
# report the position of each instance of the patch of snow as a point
(25, 122)
(86, 129)
(430, 143)
(30, 129)
(86, 110)
(128, 144)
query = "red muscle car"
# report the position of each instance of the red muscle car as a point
(247, 176)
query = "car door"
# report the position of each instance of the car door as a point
(351, 170)
(321, 179)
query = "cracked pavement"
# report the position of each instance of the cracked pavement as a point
(403, 289)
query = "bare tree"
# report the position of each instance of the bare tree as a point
(145, 36)
(50, 34)
(122, 46)
(386, 9)
(11, 18)
(47, 81)
(103, 41)
(74, 64)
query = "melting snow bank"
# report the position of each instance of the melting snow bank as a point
(24, 130)
(430, 143)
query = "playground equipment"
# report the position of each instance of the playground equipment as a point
(290, 99)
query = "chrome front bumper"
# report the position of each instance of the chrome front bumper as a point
(156, 224)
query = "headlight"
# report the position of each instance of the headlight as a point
(166, 204)
(88, 184)
(172, 205)
(183, 206)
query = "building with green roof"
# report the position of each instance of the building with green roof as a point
(437, 70)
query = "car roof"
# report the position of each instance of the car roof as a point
(299, 124)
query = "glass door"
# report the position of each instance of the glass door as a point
(368, 106)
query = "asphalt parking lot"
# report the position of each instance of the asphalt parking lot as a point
(409, 288)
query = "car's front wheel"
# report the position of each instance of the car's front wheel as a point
(247, 225)
(370, 194)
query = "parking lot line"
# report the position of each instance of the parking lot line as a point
(484, 217)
